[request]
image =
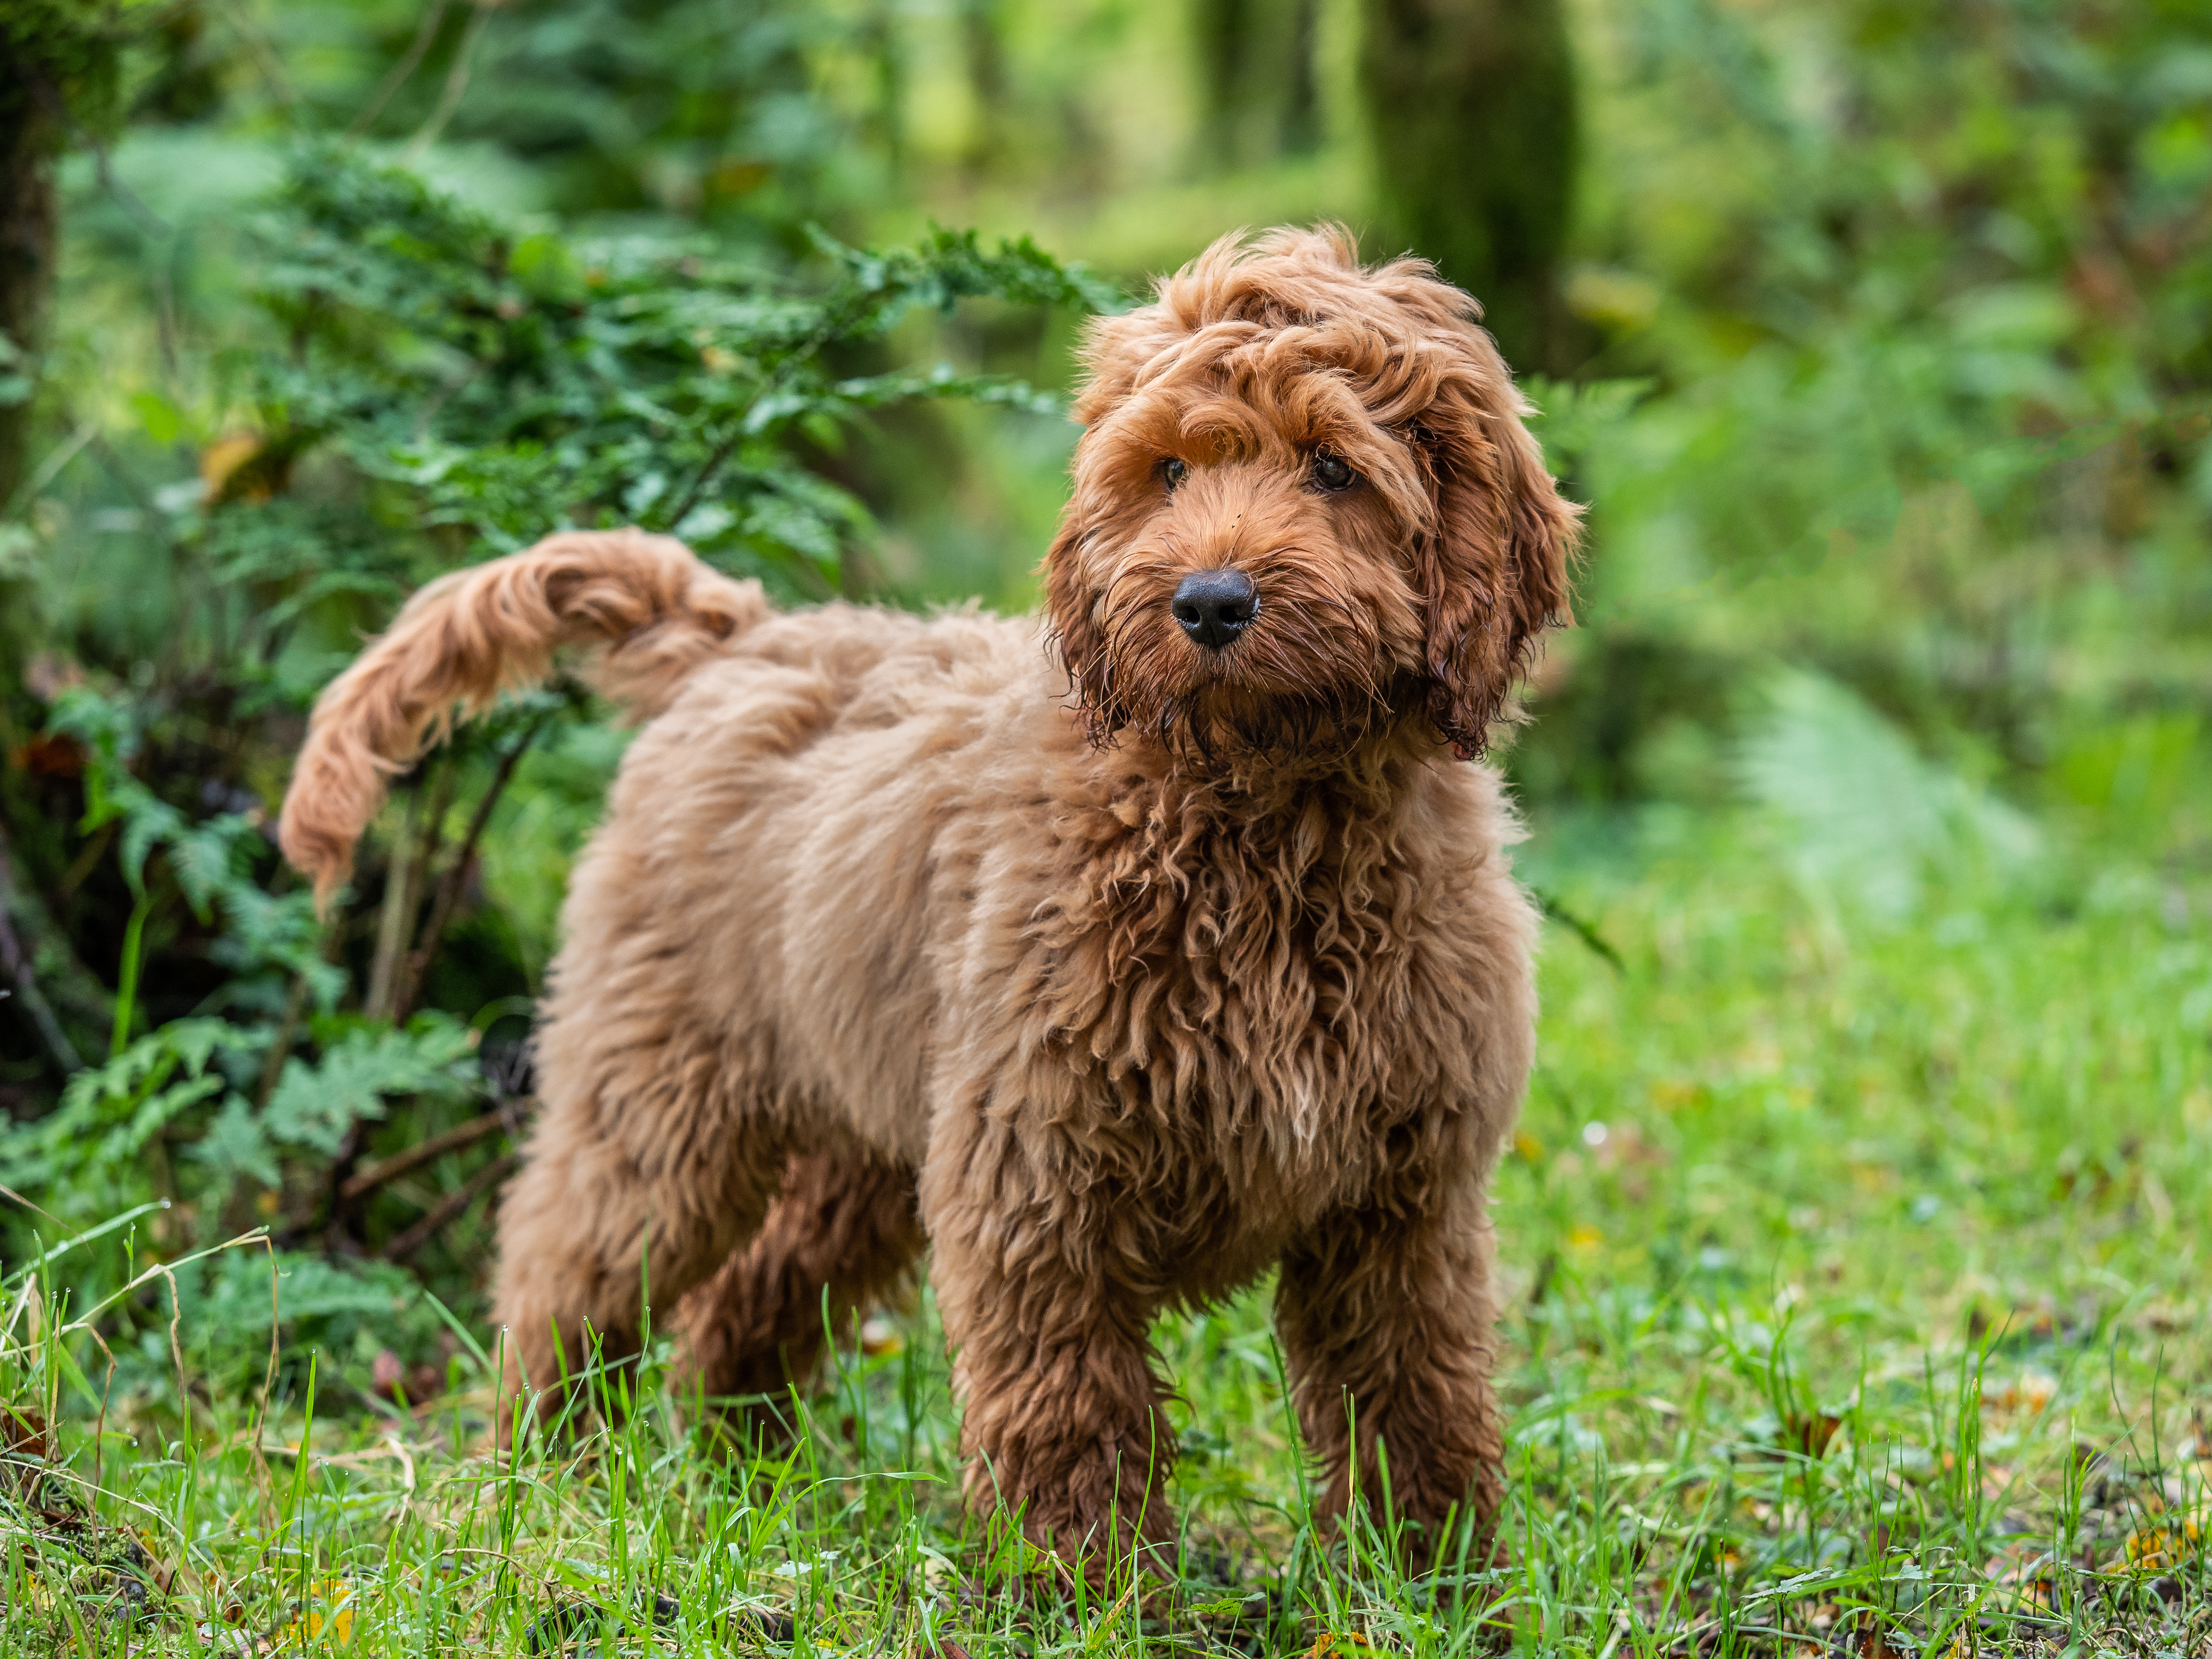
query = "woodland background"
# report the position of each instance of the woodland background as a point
(1870, 797)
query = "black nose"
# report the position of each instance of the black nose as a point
(1215, 606)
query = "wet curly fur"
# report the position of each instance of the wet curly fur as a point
(1117, 969)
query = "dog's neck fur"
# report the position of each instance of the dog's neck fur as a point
(1228, 942)
(1367, 775)
(1240, 846)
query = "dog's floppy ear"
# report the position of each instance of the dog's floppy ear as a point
(1492, 568)
(1073, 626)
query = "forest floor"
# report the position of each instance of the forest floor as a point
(1854, 1306)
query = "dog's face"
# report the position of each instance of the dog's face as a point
(1304, 507)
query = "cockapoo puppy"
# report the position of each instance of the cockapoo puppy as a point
(1117, 961)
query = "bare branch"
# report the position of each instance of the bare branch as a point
(495, 1121)
(450, 885)
(451, 1207)
(410, 61)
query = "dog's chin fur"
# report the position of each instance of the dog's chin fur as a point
(1226, 733)
(1119, 985)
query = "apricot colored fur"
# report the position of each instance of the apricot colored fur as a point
(1124, 970)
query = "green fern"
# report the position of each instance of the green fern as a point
(1868, 817)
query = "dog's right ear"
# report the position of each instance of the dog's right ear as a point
(1077, 634)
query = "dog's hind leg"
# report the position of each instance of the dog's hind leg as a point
(846, 1229)
(658, 1150)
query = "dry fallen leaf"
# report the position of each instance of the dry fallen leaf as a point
(329, 1613)
(2155, 1548)
(1812, 1433)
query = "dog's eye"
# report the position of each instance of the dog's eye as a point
(1333, 472)
(1173, 471)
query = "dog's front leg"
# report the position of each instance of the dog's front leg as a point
(1387, 1319)
(1063, 1419)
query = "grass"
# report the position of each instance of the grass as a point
(1855, 1306)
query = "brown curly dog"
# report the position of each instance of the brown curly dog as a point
(1116, 999)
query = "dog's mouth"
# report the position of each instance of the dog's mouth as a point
(1225, 724)
(1261, 680)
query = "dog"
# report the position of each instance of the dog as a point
(1116, 960)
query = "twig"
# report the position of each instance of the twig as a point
(451, 1207)
(450, 884)
(396, 918)
(706, 474)
(391, 974)
(449, 97)
(1582, 930)
(176, 1347)
(394, 981)
(265, 57)
(50, 469)
(272, 1067)
(103, 163)
(434, 829)
(409, 62)
(17, 965)
(495, 1121)
(336, 1239)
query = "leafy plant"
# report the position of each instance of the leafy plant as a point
(505, 386)
(438, 389)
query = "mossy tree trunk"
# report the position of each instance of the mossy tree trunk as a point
(1255, 60)
(28, 223)
(1471, 107)
(57, 78)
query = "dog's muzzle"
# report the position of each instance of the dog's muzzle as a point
(1215, 606)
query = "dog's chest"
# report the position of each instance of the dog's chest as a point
(1243, 1000)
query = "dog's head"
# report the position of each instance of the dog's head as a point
(1304, 507)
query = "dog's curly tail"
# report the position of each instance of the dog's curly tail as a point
(469, 635)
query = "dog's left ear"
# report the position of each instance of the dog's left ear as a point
(1492, 569)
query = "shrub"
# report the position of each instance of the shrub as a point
(436, 389)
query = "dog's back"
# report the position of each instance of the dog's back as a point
(797, 845)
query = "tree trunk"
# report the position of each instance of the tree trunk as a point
(46, 58)
(27, 223)
(1255, 60)
(990, 82)
(1471, 107)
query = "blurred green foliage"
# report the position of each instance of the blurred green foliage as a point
(1882, 341)
(1925, 344)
